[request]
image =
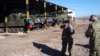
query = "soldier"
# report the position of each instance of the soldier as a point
(67, 39)
(90, 33)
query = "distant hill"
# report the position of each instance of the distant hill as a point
(98, 16)
(87, 17)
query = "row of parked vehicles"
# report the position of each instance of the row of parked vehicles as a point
(49, 21)
(36, 21)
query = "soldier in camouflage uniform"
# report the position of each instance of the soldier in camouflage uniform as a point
(67, 39)
(91, 33)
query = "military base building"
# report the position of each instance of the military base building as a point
(15, 13)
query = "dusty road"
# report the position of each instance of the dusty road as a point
(45, 42)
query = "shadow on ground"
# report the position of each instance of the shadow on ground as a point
(85, 46)
(47, 50)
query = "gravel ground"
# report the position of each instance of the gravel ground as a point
(43, 42)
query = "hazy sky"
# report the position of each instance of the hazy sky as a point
(81, 7)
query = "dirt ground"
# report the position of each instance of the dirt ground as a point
(43, 42)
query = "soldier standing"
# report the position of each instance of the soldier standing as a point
(67, 39)
(90, 33)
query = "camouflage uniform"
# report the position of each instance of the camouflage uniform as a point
(67, 39)
(93, 32)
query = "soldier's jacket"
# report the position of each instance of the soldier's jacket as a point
(89, 31)
(93, 32)
(68, 31)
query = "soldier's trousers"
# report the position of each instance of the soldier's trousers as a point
(67, 42)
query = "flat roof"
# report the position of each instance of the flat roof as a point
(33, 5)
